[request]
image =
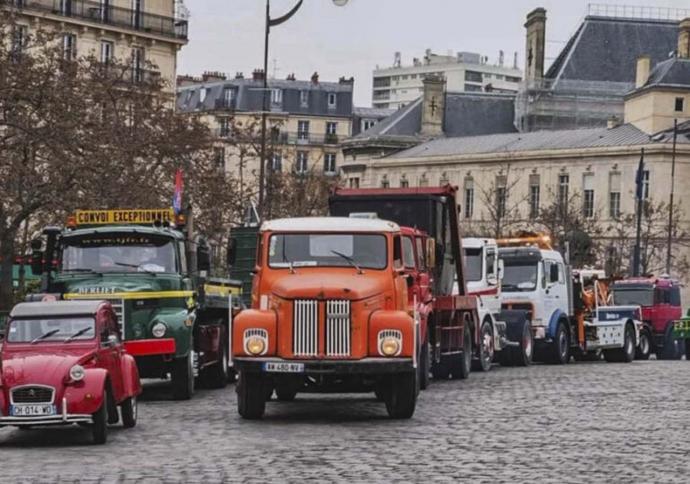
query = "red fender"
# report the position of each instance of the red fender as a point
(130, 377)
(85, 396)
(254, 318)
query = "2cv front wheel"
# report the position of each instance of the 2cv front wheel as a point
(99, 428)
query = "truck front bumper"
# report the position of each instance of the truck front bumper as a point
(365, 366)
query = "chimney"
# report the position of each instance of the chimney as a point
(186, 80)
(433, 106)
(258, 75)
(239, 75)
(315, 78)
(345, 80)
(209, 76)
(536, 41)
(290, 77)
(644, 66)
(684, 39)
(613, 122)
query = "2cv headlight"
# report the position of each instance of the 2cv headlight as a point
(77, 373)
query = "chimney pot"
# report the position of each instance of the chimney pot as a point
(258, 75)
(613, 122)
(644, 66)
(315, 78)
(684, 39)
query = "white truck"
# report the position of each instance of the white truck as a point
(504, 335)
(568, 312)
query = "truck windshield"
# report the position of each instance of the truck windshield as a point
(54, 329)
(339, 250)
(623, 296)
(118, 253)
(519, 275)
(473, 264)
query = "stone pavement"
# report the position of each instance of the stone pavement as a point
(584, 422)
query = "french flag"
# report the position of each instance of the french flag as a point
(177, 196)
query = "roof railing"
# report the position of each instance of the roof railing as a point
(637, 12)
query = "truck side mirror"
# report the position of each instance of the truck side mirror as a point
(430, 253)
(231, 251)
(37, 257)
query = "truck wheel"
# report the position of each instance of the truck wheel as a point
(251, 396)
(486, 348)
(644, 346)
(216, 376)
(129, 412)
(441, 370)
(687, 349)
(625, 354)
(99, 429)
(560, 348)
(182, 376)
(424, 362)
(522, 355)
(402, 397)
(462, 363)
(671, 349)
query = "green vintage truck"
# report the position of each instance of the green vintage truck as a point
(154, 270)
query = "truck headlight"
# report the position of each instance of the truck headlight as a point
(390, 342)
(76, 373)
(158, 330)
(255, 341)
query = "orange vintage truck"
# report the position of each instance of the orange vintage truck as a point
(352, 303)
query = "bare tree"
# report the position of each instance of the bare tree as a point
(502, 201)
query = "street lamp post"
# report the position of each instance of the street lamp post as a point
(670, 203)
(270, 22)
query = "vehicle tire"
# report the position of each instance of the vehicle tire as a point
(424, 363)
(644, 346)
(182, 376)
(522, 355)
(580, 355)
(486, 348)
(560, 348)
(626, 354)
(402, 397)
(216, 376)
(687, 349)
(381, 390)
(129, 412)
(441, 370)
(672, 347)
(462, 364)
(286, 390)
(99, 429)
(251, 395)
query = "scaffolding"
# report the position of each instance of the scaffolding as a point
(637, 12)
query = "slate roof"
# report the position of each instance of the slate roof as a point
(248, 96)
(624, 135)
(607, 49)
(466, 114)
(377, 113)
(672, 73)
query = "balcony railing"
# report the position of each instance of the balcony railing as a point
(103, 13)
(301, 138)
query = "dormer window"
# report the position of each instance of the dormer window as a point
(304, 99)
(332, 100)
(202, 94)
(276, 96)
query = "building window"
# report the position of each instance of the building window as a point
(223, 127)
(302, 162)
(473, 76)
(329, 166)
(367, 123)
(614, 195)
(137, 64)
(276, 96)
(534, 196)
(423, 180)
(304, 99)
(469, 198)
(332, 100)
(645, 185)
(69, 47)
(473, 88)
(331, 127)
(501, 196)
(137, 13)
(303, 130)
(588, 195)
(563, 184)
(384, 182)
(202, 94)
(228, 97)
(107, 49)
(219, 156)
(404, 182)
(680, 104)
(277, 162)
(354, 182)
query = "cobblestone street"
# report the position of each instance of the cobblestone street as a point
(585, 422)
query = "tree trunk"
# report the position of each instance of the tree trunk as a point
(6, 262)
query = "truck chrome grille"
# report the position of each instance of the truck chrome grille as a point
(33, 394)
(338, 328)
(305, 327)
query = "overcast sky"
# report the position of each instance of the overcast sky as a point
(227, 35)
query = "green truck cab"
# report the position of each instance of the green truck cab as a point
(154, 270)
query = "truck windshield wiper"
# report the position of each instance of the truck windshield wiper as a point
(349, 259)
(77, 334)
(81, 269)
(45, 335)
(135, 266)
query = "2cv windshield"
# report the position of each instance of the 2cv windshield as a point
(118, 253)
(334, 250)
(54, 329)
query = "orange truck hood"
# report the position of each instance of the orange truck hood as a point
(330, 285)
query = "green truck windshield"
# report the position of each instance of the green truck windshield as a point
(126, 252)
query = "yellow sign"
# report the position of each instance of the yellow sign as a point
(130, 216)
(214, 290)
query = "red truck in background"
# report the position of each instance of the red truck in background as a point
(659, 298)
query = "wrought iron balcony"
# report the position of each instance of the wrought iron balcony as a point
(103, 13)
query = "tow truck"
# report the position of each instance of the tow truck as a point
(568, 309)
(154, 270)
